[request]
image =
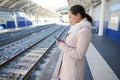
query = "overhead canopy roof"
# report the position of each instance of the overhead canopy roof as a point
(85, 3)
(30, 7)
(27, 6)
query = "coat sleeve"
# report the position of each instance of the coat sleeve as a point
(82, 44)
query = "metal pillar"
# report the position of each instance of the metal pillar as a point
(25, 21)
(90, 11)
(33, 19)
(102, 15)
(15, 19)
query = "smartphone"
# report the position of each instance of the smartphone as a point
(56, 38)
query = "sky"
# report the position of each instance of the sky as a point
(52, 4)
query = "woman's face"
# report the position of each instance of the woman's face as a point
(73, 19)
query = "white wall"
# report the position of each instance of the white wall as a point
(110, 4)
(4, 16)
(96, 12)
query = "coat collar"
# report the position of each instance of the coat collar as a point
(79, 25)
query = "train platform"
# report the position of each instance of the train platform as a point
(27, 44)
(101, 61)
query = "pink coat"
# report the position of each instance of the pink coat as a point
(72, 64)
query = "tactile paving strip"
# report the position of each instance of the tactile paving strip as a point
(99, 68)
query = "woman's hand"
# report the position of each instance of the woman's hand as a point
(59, 41)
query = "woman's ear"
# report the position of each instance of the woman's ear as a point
(78, 16)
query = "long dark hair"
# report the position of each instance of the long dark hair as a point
(79, 9)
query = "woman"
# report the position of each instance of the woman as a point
(75, 44)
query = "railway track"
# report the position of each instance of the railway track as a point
(19, 59)
(7, 38)
(45, 67)
(17, 47)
